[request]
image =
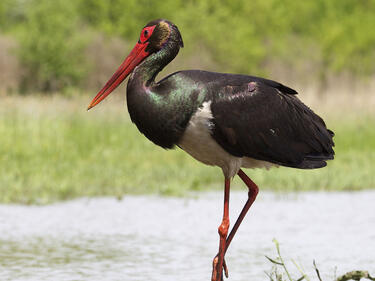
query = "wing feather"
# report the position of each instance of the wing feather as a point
(257, 119)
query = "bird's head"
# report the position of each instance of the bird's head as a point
(155, 36)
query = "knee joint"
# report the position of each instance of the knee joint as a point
(223, 228)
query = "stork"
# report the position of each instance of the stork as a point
(227, 120)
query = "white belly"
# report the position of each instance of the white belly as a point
(198, 142)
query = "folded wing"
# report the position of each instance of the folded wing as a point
(268, 122)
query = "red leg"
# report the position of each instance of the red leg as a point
(253, 192)
(217, 270)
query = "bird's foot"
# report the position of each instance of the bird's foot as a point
(217, 273)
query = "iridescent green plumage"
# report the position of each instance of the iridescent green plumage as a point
(161, 110)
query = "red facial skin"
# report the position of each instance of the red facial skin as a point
(136, 56)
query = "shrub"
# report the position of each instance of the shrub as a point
(51, 45)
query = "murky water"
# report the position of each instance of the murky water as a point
(153, 238)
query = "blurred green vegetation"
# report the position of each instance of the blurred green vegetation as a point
(54, 150)
(73, 46)
(51, 46)
(242, 36)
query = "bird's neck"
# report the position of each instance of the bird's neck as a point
(145, 73)
(149, 104)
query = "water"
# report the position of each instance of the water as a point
(153, 238)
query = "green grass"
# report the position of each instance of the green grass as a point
(54, 150)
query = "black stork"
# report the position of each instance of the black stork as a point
(226, 120)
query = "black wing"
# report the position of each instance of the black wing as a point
(264, 120)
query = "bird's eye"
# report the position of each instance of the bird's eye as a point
(146, 33)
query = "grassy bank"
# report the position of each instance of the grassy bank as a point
(52, 149)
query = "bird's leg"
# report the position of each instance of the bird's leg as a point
(253, 192)
(218, 262)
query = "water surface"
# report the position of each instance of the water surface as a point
(158, 238)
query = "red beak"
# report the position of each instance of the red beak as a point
(132, 60)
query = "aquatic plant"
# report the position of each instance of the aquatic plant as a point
(280, 272)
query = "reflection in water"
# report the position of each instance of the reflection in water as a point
(154, 238)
